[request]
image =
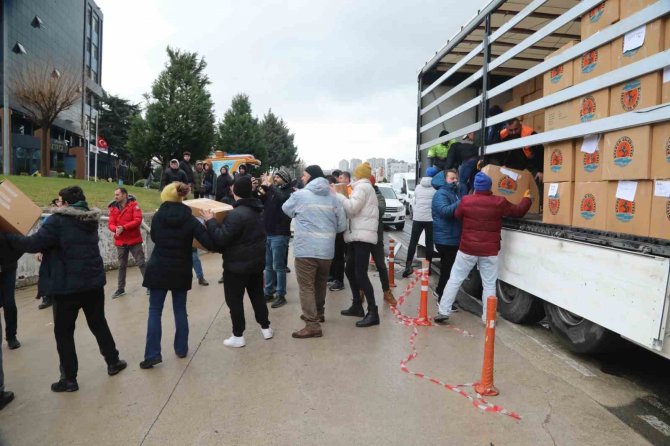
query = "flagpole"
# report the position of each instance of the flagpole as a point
(97, 149)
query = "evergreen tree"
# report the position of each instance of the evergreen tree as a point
(239, 131)
(278, 141)
(116, 117)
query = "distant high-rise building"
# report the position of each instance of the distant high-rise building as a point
(397, 167)
(344, 165)
(354, 163)
(376, 163)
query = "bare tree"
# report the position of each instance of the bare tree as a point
(44, 92)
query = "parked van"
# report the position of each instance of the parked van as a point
(403, 185)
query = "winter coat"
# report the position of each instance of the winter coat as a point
(223, 184)
(173, 228)
(423, 200)
(188, 170)
(130, 218)
(241, 237)
(482, 215)
(276, 221)
(381, 204)
(446, 228)
(71, 258)
(198, 179)
(208, 182)
(363, 212)
(171, 175)
(459, 153)
(318, 217)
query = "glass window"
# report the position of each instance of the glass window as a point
(387, 192)
(90, 16)
(96, 24)
(411, 184)
(88, 44)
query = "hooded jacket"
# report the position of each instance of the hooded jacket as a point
(173, 228)
(68, 240)
(318, 216)
(223, 184)
(363, 213)
(130, 217)
(241, 237)
(198, 179)
(423, 200)
(446, 228)
(381, 204)
(171, 175)
(276, 221)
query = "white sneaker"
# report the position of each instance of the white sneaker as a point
(267, 333)
(235, 342)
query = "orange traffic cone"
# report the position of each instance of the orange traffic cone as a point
(485, 387)
(423, 303)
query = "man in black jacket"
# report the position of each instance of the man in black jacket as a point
(74, 275)
(241, 238)
(173, 173)
(185, 165)
(8, 258)
(278, 230)
(8, 265)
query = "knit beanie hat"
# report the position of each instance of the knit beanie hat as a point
(363, 171)
(175, 192)
(482, 182)
(432, 171)
(242, 186)
(314, 171)
(284, 175)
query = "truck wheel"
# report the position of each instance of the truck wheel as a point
(579, 334)
(400, 226)
(517, 305)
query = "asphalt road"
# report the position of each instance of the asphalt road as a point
(630, 370)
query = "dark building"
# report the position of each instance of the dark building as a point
(65, 34)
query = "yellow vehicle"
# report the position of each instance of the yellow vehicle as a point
(231, 161)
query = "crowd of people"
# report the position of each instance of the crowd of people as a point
(337, 230)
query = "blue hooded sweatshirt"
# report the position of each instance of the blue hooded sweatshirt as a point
(446, 227)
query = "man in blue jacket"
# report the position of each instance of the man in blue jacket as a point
(319, 216)
(446, 227)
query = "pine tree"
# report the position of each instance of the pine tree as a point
(278, 141)
(116, 117)
(239, 131)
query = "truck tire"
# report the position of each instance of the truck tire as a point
(578, 334)
(517, 305)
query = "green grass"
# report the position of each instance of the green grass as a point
(43, 190)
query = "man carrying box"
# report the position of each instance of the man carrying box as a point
(531, 158)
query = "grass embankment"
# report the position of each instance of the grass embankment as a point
(42, 190)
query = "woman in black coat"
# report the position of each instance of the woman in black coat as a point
(223, 184)
(173, 228)
(209, 181)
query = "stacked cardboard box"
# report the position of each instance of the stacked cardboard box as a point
(18, 214)
(660, 172)
(220, 210)
(513, 184)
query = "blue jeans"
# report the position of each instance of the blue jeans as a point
(197, 266)
(154, 330)
(276, 249)
(465, 172)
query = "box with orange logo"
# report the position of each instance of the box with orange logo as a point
(599, 18)
(659, 226)
(588, 158)
(636, 94)
(593, 106)
(660, 151)
(649, 40)
(560, 76)
(513, 184)
(630, 7)
(589, 208)
(558, 203)
(626, 154)
(559, 161)
(593, 63)
(629, 207)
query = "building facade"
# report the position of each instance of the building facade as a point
(353, 164)
(65, 35)
(344, 165)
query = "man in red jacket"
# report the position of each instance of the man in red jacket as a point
(482, 215)
(125, 218)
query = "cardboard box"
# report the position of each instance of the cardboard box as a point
(626, 154)
(513, 103)
(659, 226)
(561, 115)
(653, 43)
(561, 76)
(18, 214)
(559, 161)
(629, 7)
(513, 184)
(593, 63)
(524, 89)
(629, 217)
(342, 189)
(636, 94)
(220, 211)
(594, 105)
(590, 205)
(599, 18)
(588, 166)
(558, 203)
(532, 97)
(660, 151)
(665, 82)
(538, 122)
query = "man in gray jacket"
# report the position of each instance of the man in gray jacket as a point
(318, 216)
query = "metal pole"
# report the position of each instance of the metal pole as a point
(486, 52)
(6, 127)
(417, 167)
(97, 149)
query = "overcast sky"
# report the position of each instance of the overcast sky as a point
(342, 74)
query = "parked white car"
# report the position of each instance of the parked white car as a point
(395, 209)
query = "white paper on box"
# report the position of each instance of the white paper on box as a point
(634, 39)
(553, 190)
(513, 175)
(590, 143)
(666, 74)
(662, 188)
(626, 190)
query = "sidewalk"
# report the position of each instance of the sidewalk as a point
(344, 388)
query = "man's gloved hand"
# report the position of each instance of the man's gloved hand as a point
(527, 194)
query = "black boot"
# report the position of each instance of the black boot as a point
(370, 319)
(356, 309)
(65, 385)
(408, 271)
(280, 301)
(46, 303)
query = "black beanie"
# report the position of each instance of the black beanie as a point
(242, 186)
(314, 171)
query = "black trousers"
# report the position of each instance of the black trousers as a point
(417, 228)
(65, 310)
(337, 266)
(447, 258)
(7, 294)
(197, 194)
(358, 258)
(234, 286)
(379, 257)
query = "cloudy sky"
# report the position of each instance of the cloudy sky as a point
(341, 73)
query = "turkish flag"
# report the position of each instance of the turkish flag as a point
(102, 144)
